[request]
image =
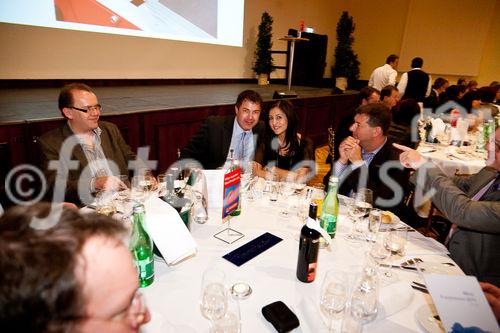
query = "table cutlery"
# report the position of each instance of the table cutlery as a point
(399, 266)
(420, 287)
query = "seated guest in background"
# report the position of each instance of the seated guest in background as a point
(367, 95)
(365, 152)
(389, 95)
(96, 145)
(496, 86)
(433, 100)
(471, 101)
(452, 93)
(462, 81)
(416, 83)
(385, 75)
(472, 204)
(487, 96)
(401, 126)
(77, 276)
(472, 85)
(283, 145)
(218, 136)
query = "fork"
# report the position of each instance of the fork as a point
(411, 261)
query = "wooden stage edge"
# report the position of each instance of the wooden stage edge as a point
(40, 104)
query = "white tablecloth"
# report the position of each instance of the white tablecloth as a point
(173, 297)
(452, 159)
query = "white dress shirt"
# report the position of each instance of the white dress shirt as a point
(383, 76)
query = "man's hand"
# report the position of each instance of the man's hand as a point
(109, 183)
(492, 294)
(410, 158)
(346, 149)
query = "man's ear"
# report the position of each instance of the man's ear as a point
(377, 131)
(235, 109)
(67, 113)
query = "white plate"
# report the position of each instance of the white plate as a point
(425, 317)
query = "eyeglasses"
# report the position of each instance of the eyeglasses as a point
(96, 107)
(134, 315)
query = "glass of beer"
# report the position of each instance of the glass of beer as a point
(105, 203)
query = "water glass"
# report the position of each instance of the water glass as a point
(333, 297)
(396, 241)
(213, 298)
(231, 321)
(374, 220)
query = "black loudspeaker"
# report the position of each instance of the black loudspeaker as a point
(309, 60)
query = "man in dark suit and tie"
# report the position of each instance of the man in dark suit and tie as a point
(219, 136)
(472, 204)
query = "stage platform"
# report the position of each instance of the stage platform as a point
(33, 105)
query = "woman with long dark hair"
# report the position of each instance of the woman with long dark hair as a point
(283, 147)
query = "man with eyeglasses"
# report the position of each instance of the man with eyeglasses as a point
(98, 146)
(472, 204)
(77, 276)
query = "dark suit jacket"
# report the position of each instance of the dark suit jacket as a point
(50, 144)
(475, 245)
(350, 179)
(432, 101)
(210, 145)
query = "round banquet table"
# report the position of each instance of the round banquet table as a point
(173, 297)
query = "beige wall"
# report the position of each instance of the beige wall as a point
(43, 53)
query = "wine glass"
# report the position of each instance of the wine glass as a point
(288, 202)
(357, 209)
(105, 204)
(333, 297)
(213, 298)
(374, 220)
(395, 241)
(230, 322)
(141, 186)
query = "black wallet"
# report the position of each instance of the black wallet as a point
(280, 315)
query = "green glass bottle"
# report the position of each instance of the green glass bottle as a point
(141, 246)
(330, 208)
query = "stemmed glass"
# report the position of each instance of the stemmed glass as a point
(395, 241)
(213, 298)
(287, 191)
(333, 297)
(358, 208)
(141, 186)
(379, 252)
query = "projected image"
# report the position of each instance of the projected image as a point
(207, 21)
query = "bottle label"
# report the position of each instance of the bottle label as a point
(311, 271)
(145, 268)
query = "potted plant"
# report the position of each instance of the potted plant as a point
(263, 60)
(346, 68)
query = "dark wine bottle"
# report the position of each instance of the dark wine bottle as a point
(308, 249)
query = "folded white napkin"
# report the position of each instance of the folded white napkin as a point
(438, 126)
(394, 298)
(215, 185)
(168, 231)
